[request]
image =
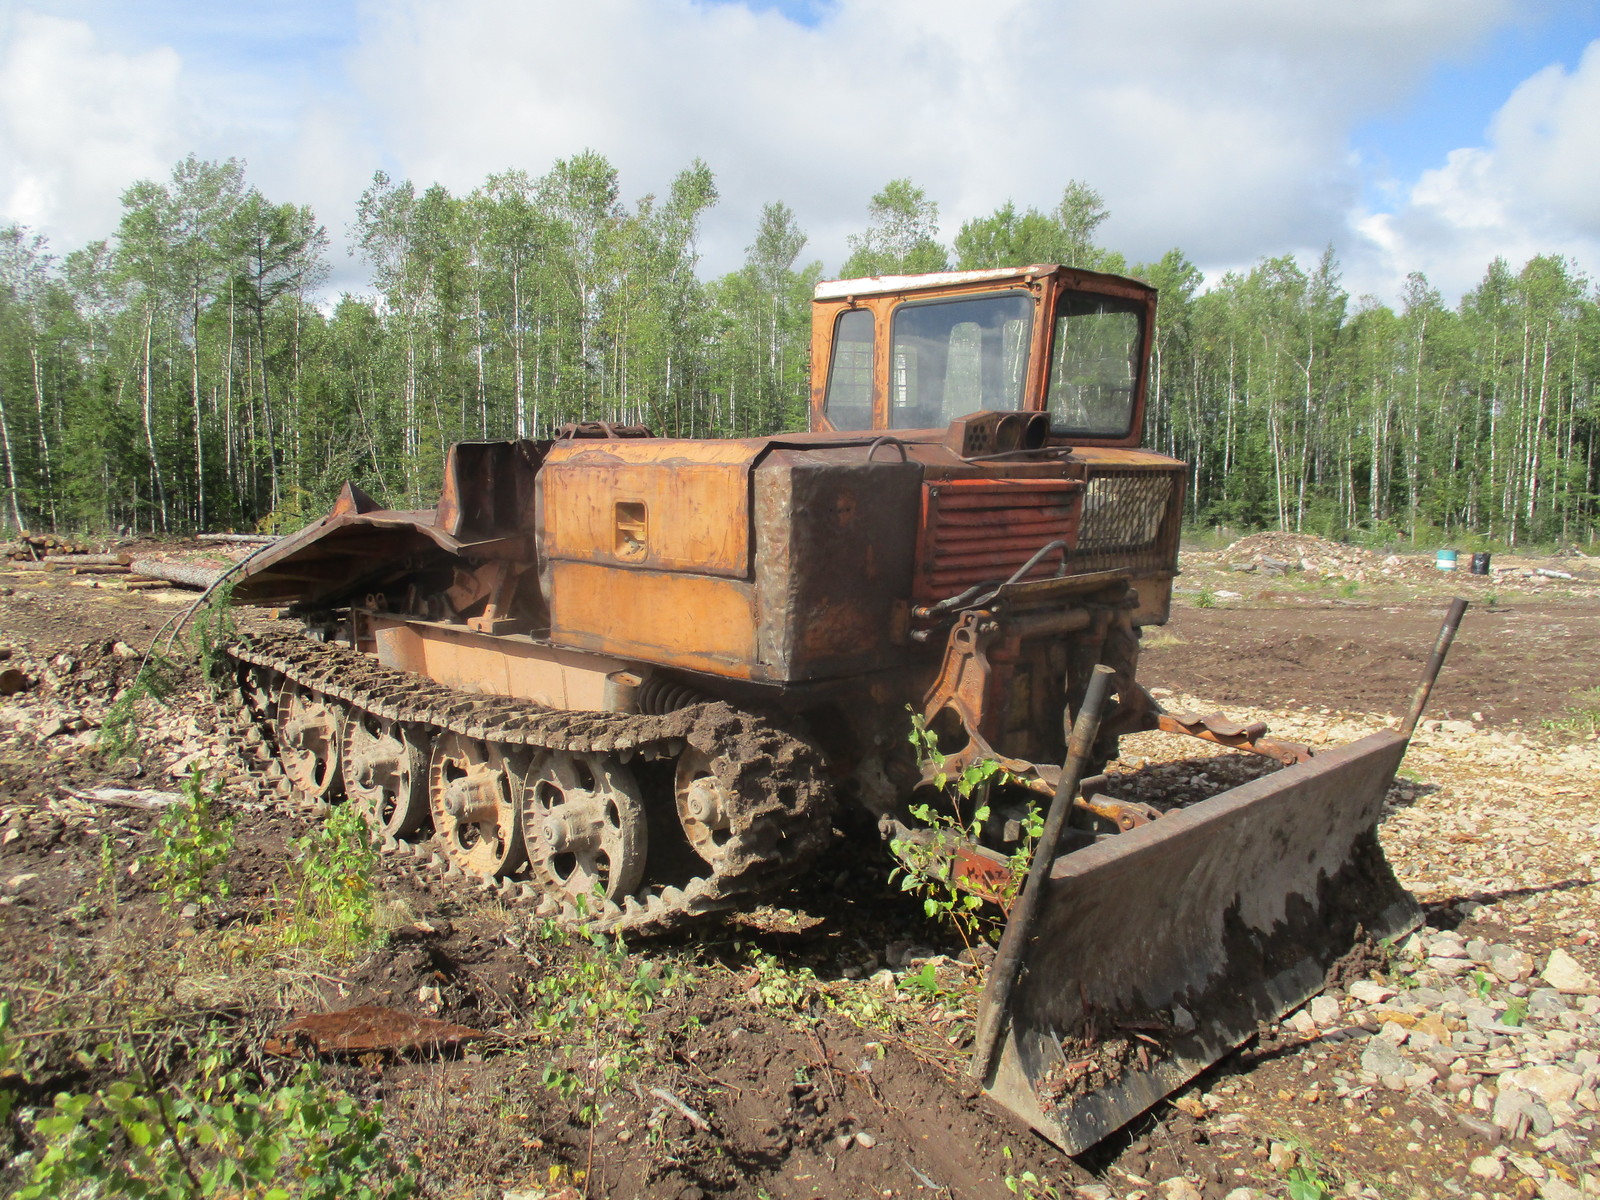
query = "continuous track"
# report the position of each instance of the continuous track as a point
(780, 814)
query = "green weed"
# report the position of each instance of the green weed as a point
(591, 1018)
(1516, 1011)
(195, 842)
(926, 864)
(787, 989)
(1305, 1184)
(1582, 717)
(222, 1132)
(1205, 598)
(1027, 1184)
(336, 901)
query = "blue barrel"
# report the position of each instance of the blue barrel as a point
(1445, 560)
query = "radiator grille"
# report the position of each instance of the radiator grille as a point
(981, 530)
(1130, 519)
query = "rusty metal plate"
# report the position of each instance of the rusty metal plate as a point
(366, 1029)
(1162, 949)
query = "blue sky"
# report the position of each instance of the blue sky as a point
(1453, 103)
(1411, 134)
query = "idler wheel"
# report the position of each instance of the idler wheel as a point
(385, 770)
(705, 810)
(584, 824)
(307, 729)
(474, 813)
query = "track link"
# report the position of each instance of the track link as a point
(783, 811)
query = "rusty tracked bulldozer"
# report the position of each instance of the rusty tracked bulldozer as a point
(629, 678)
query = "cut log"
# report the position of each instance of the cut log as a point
(89, 560)
(249, 539)
(180, 573)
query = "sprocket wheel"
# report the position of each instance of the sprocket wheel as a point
(584, 824)
(705, 810)
(307, 729)
(385, 769)
(474, 813)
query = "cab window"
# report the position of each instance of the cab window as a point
(1094, 366)
(954, 357)
(848, 403)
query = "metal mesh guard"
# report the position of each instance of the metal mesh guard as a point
(1123, 514)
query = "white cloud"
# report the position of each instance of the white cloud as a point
(1532, 188)
(79, 122)
(1220, 127)
(1223, 128)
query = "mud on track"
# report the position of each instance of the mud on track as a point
(815, 1063)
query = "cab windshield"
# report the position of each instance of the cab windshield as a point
(1094, 367)
(949, 358)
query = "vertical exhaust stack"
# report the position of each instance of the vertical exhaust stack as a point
(1156, 952)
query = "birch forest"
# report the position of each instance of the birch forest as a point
(191, 372)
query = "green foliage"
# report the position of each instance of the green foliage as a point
(1582, 717)
(195, 842)
(223, 1132)
(1516, 1011)
(926, 864)
(335, 902)
(901, 236)
(187, 376)
(1027, 1184)
(789, 990)
(158, 677)
(590, 1017)
(214, 628)
(1304, 1183)
(1205, 598)
(13, 1066)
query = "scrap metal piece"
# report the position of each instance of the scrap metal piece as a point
(1218, 729)
(366, 1029)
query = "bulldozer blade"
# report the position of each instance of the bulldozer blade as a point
(1159, 950)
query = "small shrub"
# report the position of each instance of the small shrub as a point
(195, 842)
(336, 903)
(223, 1132)
(591, 1018)
(926, 865)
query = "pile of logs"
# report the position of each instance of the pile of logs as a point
(33, 546)
(125, 571)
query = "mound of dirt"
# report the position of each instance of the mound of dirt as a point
(1299, 552)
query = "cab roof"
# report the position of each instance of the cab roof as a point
(871, 285)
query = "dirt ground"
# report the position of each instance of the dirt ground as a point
(806, 1053)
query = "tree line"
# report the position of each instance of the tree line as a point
(186, 373)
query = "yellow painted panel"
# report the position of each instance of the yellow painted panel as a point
(691, 621)
(650, 503)
(497, 666)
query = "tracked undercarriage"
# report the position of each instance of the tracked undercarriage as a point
(545, 806)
